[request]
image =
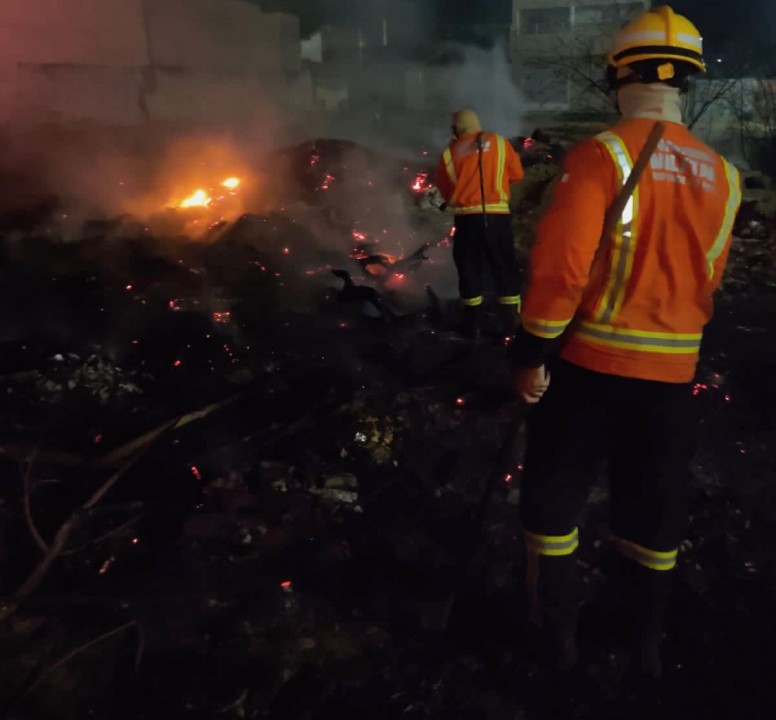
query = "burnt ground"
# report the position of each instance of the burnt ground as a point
(335, 534)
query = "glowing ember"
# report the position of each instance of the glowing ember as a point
(196, 473)
(177, 363)
(460, 402)
(508, 478)
(231, 183)
(135, 541)
(327, 181)
(421, 183)
(287, 585)
(358, 235)
(106, 565)
(377, 269)
(128, 287)
(222, 317)
(199, 199)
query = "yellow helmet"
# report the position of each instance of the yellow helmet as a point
(660, 34)
(466, 121)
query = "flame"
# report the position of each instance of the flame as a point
(199, 199)
(202, 198)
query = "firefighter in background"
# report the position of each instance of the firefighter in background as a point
(474, 177)
(630, 309)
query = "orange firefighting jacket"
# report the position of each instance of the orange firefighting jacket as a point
(640, 299)
(458, 174)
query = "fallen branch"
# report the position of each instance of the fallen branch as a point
(102, 538)
(139, 447)
(116, 456)
(139, 651)
(48, 456)
(36, 536)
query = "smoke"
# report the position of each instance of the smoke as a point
(185, 101)
(481, 79)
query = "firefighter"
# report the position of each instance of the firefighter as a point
(474, 177)
(626, 310)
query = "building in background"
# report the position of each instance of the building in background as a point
(558, 49)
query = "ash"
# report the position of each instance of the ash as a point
(250, 470)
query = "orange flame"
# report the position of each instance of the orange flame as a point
(205, 198)
(199, 199)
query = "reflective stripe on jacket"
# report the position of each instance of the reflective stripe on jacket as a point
(458, 174)
(640, 298)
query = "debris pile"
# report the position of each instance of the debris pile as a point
(248, 472)
(752, 263)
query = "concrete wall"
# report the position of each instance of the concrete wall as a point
(128, 62)
(221, 36)
(76, 32)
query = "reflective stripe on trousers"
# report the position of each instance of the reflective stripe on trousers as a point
(560, 545)
(552, 545)
(652, 559)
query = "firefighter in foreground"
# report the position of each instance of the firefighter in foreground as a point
(474, 177)
(627, 309)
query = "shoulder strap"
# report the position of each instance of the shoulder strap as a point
(614, 213)
(482, 179)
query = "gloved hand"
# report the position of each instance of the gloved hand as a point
(532, 383)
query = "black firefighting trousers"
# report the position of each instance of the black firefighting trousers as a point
(643, 431)
(473, 246)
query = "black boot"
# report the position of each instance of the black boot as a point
(472, 321)
(509, 317)
(555, 595)
(649, 593)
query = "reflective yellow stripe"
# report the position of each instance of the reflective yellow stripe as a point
(651, 559)
(502, 158)
(509, 300)
(641, 340)
(447, 156)
(501, 207)
(547, 329)
(552, 545)
(472, 302)
(734, 200)
(624, 240)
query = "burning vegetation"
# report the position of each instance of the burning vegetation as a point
(249, 470)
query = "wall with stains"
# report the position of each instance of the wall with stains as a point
(129, 62)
